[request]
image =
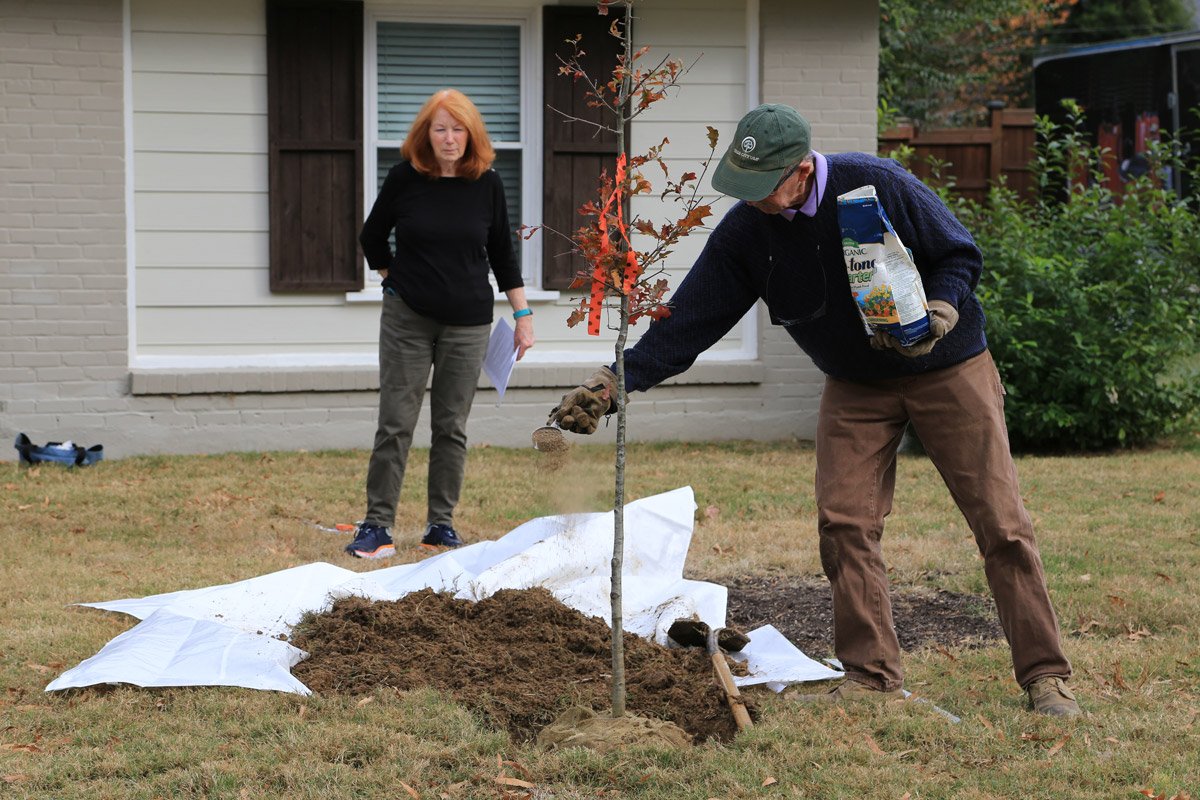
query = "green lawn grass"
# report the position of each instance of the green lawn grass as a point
(1119, 534)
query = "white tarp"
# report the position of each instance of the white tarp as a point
(230, 635)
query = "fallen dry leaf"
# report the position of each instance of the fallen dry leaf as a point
(520, 768)
(1058, 746)
(411, 791)
(875, 748)
(769, 781)
(1165, 577)
(15, 777)
(1118, 678)
(1158, 498)
(364, 701)
(1116, 600)
(1140, 633)
(507, 781)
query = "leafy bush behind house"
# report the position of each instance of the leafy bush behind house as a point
(1092, 301)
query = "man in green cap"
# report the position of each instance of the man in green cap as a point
(782, 245)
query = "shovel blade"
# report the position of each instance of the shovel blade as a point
(689, 632)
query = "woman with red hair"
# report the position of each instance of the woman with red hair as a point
(446, 205)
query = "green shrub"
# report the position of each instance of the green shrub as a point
(1091, 300)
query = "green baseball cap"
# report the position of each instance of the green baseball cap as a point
(768, 140)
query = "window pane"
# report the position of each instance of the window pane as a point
(482, 61)
(508, 164)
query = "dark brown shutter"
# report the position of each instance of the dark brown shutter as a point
(574, 154)
(315, 125)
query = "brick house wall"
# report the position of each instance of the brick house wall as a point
(65, 285)
(63, 320)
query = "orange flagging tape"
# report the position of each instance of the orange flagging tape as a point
(632, 269)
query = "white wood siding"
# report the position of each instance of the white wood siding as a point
(200, 181)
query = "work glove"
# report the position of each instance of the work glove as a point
(580, 409)
(942, 318)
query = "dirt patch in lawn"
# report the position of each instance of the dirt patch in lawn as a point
(520, 657)
(802, 610)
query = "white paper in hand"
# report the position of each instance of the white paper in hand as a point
(501, 357)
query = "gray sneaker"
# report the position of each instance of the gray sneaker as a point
(1051, 696)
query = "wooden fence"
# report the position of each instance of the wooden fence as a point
(976, 156)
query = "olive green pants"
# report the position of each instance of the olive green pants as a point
(410, 345)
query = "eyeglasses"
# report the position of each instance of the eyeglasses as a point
(787, 173)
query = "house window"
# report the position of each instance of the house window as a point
(415, 59)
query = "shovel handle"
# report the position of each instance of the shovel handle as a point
(733, 697)
(737, 705)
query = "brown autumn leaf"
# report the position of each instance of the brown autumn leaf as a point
(873, 745)
(1058, 746)
(1165, 577)
(769, 781)
(713, 135)
(15, 777)
(1116, 600)
(1136, 635)
(1158, 498)
(518, 767)
(364, 702)
(1119, 679)
(507, 781)
(411, 791)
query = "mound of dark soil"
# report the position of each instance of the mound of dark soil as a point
(519, 658)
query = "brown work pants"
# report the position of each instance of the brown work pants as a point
(958, 414)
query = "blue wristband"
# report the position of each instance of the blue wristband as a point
(524, 312)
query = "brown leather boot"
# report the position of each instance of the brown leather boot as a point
(1051, 696)
(848, 691)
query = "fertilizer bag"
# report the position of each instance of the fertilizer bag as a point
(884, 280)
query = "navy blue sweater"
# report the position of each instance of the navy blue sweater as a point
(796, 268)
(449, 233)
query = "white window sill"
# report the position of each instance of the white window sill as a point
(177, 379)
(374, 294)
